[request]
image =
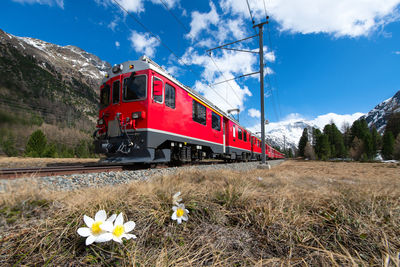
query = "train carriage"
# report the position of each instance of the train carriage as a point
(147, 116)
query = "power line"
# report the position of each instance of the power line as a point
(193, 38)
(167, 47)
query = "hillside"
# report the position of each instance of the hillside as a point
(43, 82)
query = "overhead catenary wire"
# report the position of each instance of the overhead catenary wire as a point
(193, 38)
(167, 47)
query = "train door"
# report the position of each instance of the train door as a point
(225, 127)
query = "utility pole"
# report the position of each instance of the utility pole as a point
(260, 26)
(261, 52)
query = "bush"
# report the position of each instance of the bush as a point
(81, 150)
(36, 144)
(8, 146)
(50, 151)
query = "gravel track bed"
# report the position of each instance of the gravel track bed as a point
(77, 181)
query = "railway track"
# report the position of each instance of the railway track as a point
(13, 173)
(59, 170)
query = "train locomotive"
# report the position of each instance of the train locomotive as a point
(147, 116)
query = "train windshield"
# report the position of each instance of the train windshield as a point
(135, 87)
(105, 96)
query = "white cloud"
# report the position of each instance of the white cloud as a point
(397, 52)
(202, 21)
(338, 17)
(136, 6)
(322, 120)
(144, 43)
(59, 3)
(117, 44)
(113, 24)
(254, 113)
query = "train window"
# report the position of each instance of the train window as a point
(157, 90)
(234, 131)
(105, 96)
(199, 113)
(169, 96)
(240, 134)
(115, 92)
(215, 121)
(245, 136)
(135, 88)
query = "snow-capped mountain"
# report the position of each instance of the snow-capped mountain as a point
(69, 61)
(379, 115)
(287, 133)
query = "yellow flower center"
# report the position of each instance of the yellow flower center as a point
(96, 227)
(118, 230)
(179, 212)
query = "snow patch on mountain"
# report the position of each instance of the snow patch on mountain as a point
(379, 115)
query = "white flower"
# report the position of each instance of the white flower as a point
(120, 229)
(95, 230)
(176, 199)
(180, 213)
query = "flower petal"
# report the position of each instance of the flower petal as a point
(84, 231)
(173, 217)
(104, 237)
(116, 239)
(112, 218)
(187, 211)
(119, 220)
(90, 240)
(185, 217)
(129, 226)
(177, 194)
(179, 220)
(88, 221)
(174, 208)
(107, 226)
(129, 236)
(101, 215)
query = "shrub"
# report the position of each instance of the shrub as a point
(36, 144)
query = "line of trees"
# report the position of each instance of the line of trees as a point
(357, 142)
(37, 146)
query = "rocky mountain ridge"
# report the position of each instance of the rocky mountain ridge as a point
(379, 115)
(58, 83)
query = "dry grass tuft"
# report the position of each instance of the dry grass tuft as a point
(299, 213)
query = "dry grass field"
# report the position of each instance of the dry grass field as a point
(298, 214)
(21, 162)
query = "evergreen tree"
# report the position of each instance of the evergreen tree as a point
(397, 147)
(324, 150)
(316, 135)
(36, 144)
(393, 124)
(360, 130)
(376, 141)
(388, 145)
(336, 140)
(303, 141)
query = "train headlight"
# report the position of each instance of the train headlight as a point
(136, 115)
(100, 122)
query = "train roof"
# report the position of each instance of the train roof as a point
(144, 63)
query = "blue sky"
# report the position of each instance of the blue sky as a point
(340, 56)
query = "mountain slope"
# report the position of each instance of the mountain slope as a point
(60, 84)
(379, 115)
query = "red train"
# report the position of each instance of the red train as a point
(148, 116)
